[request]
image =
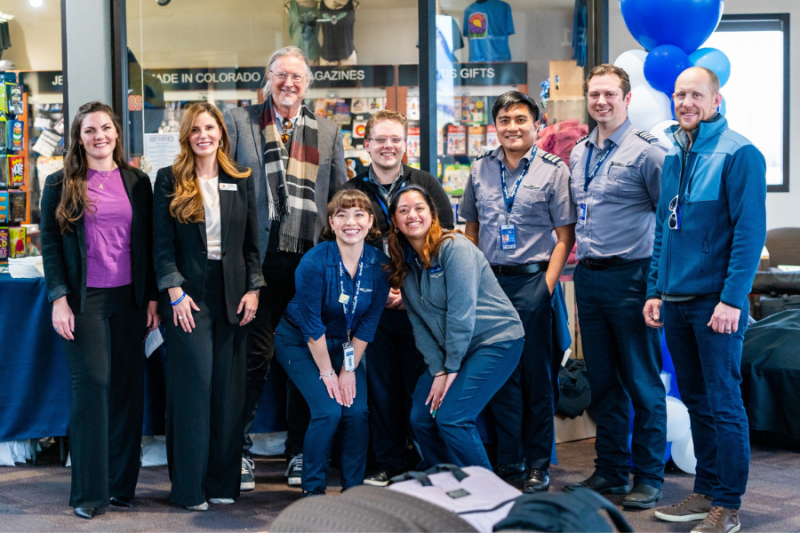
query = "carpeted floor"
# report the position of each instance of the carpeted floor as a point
(36, 498)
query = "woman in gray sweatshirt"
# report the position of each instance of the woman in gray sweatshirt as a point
(466, 328)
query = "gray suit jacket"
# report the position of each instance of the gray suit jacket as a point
(247, 149)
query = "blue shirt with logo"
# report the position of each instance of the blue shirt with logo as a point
(488, 25)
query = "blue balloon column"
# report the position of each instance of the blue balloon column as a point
(671, 31)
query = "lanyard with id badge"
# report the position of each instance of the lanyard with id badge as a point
(344, 299)
(589, 176)
(508, 232)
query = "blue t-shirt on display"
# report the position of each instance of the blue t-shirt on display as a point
(488, 25)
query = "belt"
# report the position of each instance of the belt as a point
(516, 270)
(605, 263)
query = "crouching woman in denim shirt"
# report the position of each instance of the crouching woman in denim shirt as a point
(466, 328)
(341, 291)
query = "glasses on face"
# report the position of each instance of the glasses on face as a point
(283, 76)
(384, 140)
(674, 221)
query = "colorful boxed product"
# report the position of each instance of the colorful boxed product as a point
(15, 141)
(17, 202)
(3, 172)
(14, 98)
(4, 243)
(16, 242)
(5, 210)
(16, 171)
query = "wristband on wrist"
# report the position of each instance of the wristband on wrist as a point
(179, 300)
(440, 374)
(328, 375)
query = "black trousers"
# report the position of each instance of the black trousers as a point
(393, 368)
(106, 363)
(523, 408)
(278, 271)
(205, 400)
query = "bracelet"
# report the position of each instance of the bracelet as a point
(440, 374)
(328, 375)
(179, 300)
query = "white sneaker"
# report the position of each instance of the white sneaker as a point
(221, 501)
(248, 481)
(202, 507)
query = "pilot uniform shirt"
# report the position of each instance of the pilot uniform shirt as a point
(543, 202)
(621, 199)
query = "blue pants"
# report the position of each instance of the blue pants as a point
(524, 406)
(451, 437)
(623, 359)
(293, 354)
(708, 369)
(393, 368)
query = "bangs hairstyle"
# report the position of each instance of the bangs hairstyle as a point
(397, 266)
(607, 69)
(187, 201)
(347, 199)
(512, 98)
(385, 115)
(74, 193)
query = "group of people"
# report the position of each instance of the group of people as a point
(389, 322)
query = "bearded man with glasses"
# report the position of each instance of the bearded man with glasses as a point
(710, 230)
(297, 160)
(394, 363)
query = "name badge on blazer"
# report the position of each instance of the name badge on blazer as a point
(228, 187)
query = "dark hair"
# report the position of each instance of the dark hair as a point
(512, 98)
(74, 194)
(607, 69)
(346, 199)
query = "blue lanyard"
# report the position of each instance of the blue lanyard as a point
(383, 207)
(349, 316)
(509, 199)
(587, 176)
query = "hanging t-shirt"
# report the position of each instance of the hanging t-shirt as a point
(488, 25)
(337, 31)
(448, 40)
(303, 28)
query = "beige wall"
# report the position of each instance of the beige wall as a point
(35, 34)
(782, 208)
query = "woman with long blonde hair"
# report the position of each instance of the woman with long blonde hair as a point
(97, 252)
(466, 328)
(209, 274)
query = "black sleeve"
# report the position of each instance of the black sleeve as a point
(166, 268)
(55, 268)
(442, 202)
(150, 287)
(252, 257)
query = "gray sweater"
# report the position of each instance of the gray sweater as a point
(457, 306)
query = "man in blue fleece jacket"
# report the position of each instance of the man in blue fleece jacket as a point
(710, 230)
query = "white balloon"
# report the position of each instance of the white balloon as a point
(660, 131)
(632, 62)
(648, 107)
(683, 454)
(678, 422)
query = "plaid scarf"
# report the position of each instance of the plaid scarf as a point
(292, 176)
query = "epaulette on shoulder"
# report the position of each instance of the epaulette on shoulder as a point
(550, 158)
(581, 139)
(649, 137)
(484, 154)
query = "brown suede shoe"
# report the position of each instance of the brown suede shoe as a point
(695, 507)
(719, 520)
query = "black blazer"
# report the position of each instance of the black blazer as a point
(64, 254)
(181, 254)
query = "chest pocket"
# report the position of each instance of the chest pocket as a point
(624, 181)
(533, 209)
(706, 178)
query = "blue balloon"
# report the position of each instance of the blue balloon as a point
(686, 24)
(663, 65)
(714, 60)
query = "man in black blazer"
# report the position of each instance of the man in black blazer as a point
(394, 364)
(267, 138)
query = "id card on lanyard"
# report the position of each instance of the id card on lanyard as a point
(588, 176)
(508, 232)
(349, 312)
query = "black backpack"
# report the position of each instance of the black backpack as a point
(578, 510)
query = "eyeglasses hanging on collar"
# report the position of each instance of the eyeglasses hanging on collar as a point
(674, 221)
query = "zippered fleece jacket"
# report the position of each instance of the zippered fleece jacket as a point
(722, 189)
(457, 305)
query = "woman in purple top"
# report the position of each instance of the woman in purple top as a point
(97, 251)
